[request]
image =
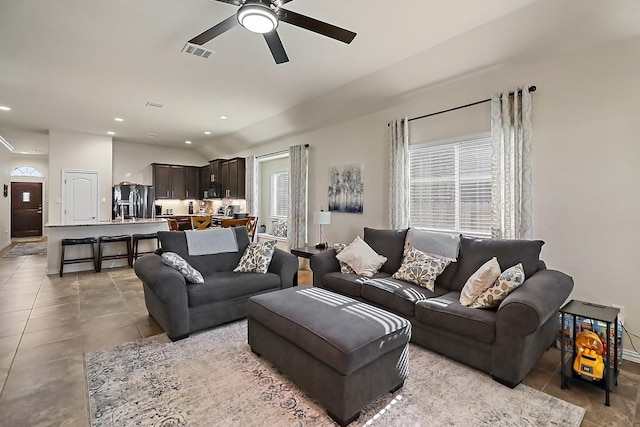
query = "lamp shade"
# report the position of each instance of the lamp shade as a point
(322, 217)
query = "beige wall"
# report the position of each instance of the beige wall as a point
(132, 162)
(79, 152)
(5, 202)
(585, 161)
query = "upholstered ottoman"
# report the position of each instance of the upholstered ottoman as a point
(341, 351)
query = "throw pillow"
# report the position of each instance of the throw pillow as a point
(344, 267)
(174, 260)
(279, 228)
(479, 281)
(509, 280)
(256, 257)
(420, 268)
(361, 258)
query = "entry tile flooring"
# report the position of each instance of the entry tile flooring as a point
(48, 324)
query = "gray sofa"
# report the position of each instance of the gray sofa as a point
(181, 307)
(505, 342)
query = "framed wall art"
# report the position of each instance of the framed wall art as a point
(346, 189)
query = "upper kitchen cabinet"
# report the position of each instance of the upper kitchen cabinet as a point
(192, 182)
(169, 181)
(233, 173)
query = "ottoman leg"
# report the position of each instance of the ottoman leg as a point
(343, 423)
(396, 388)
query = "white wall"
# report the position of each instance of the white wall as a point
(5, 202)
(81, 152)
(585, 161)
(132, 162)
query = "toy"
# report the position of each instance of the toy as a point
(588, 363)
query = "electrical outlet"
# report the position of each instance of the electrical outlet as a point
(621, 315)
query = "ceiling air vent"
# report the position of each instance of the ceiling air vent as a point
(153, 104)
(197, 50)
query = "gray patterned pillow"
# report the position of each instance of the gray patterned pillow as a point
(509, 280)
(174, 260)
(344, 267)
(279, 228)
(421, 268)
(256, 257)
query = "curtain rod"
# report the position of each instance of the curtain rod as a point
(531, 89)
(278, 153)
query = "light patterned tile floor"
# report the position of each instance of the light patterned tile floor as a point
(48, 323)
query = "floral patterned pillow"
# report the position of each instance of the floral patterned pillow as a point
(279, 228)
(344, 267)
(421, 268)
(174, 260)
(509, 280)
(256, 257)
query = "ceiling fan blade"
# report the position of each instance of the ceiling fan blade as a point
(215, 31)
(276, 47)
(316, 26)
(234, 2)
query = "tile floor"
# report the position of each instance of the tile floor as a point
(48, 323)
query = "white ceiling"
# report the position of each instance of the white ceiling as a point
(76, 65)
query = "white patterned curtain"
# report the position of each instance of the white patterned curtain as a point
(511, 164)
(298, 177)
(251, 185)
(399, 179)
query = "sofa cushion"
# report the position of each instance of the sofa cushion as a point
(174, 260)
(256, 258)
(175, 241)
(345, 284)
(443, 244)
(481, 280)
(508, 281)
(420, 268)
(446, 312)
(475, 252)
(361, 258)
(226, 285)
(396, 295)
(389, 244)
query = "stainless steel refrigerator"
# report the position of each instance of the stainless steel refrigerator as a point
(133, 201)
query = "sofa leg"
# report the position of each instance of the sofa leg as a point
(255, 352)
(341, 422)
(181, 337)
(509, 384)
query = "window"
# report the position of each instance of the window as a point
(26, 171)
(450, 185)
(280, 194)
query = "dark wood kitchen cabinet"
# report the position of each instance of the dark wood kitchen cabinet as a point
(192, 182)
(169, 181)
(233, 174)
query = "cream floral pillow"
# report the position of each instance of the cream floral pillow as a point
(344, 267)
(421, 268)
(480, 281)
(256, 257)
(509, 280)
(174, 260)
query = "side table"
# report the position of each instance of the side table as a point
(603, 313)
(307, 251)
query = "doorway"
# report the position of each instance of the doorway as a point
(26, 209)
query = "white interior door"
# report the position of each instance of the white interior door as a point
(80, 197)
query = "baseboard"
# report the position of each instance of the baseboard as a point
(631, 356)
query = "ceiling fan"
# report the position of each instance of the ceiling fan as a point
(263, 16)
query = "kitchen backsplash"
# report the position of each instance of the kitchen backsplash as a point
(181, 207)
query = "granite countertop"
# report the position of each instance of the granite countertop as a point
(113, 222)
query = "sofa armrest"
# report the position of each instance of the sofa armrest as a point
(284, 265)
(531, 305)
(167, 283)
(323, 263)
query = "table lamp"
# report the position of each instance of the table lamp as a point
(321, 218)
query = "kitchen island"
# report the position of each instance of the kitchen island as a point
(57, 232)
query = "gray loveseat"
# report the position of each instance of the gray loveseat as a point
(505, 342)
(181, 307)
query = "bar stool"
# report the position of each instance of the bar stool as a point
(72, 242)
(136, 240)
(112, 239)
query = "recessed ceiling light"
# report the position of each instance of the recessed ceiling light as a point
(3, 108)
(111, 133)
(118, 119)
(223, 117)
(207, 133)
(187, 142)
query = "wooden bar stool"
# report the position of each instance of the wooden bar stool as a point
(125, 238)
(72, 242)
(136, 240)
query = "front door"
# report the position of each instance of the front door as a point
(26, 209)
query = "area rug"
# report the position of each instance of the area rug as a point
(27, 239)
(23, 249)
(213, 379)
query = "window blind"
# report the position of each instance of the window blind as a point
(450, 186)
(280, 194)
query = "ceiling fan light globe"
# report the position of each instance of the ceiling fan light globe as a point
(257, 18)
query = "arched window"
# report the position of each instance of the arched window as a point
(23, 171)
